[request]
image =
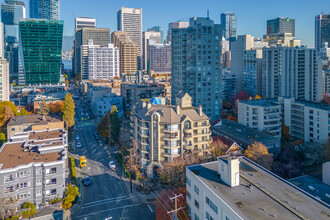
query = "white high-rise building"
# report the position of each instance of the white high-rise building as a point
(99, 63)
(294, 72)
(149, 37)
(243, 42)
(2, 41)
(4, 80)
(130, 20)
(178, 24)
(84, 22)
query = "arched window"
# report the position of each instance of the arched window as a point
(187, 125)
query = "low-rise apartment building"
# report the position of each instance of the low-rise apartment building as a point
(32, 167)
(102, 105)
(245, 136)
(164, 132)
(34, 122)
(132, 93)
(263, 115)
(233, 188)
(308, 121)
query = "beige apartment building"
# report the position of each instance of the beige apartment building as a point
(164, 132)
(34, 122)
(127, 52)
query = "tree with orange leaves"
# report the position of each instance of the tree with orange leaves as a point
(259, 154)
(165, 204)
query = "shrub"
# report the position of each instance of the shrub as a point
(73, 168)
(56, 200)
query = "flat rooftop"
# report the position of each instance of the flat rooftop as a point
(243, 132)
(261, 102)
(31, 119)
(313, 186)
(33, 146)
(269, 197)
(13, 155)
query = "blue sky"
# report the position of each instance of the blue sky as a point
(251, 14)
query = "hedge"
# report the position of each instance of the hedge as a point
(73, 168)
(121, 163)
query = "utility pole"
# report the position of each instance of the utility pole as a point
(176, 209)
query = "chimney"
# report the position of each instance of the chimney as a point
(228, 169)
(200, 110)
(178, 109)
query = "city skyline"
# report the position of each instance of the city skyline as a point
(250, 19)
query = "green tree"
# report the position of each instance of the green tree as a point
(115, 123)
(2, 138)
(43, 109)
(69, 110)
(24, 112)
(103, 126)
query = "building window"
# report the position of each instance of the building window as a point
(196, 189)
(188, 181)
(196, 204)
(189, 195)
(39, 182)
(53, 170)
(208, 216)
(9, 178)
(39, 193)
(39, 171)
(12, 129)
(196, 217)
(53, 181)
(23, 185)
(9, 189)
(53, 192)
(212, 205)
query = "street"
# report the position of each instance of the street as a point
(107, 195)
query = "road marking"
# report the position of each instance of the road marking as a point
(105, 189)
(107, 202)
(115, 186)
(150, 208)
(121, 207)
(104, 200)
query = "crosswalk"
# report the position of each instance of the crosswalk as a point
(84, 124)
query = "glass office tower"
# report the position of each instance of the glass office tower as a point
(11, 12)
(41, 46)
(45, 9)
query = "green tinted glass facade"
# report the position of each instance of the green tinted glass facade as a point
(41, 42)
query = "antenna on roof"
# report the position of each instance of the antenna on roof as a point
(208, 13)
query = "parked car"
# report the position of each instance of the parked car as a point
(78, 144)
(87, 181)
(77, 137)
(112, 165)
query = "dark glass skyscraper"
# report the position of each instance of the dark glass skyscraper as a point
(228, 24)
(45, 9)
(280, 26)
(11, 12)
(41, 47)
(322, 30)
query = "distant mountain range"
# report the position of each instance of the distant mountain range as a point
(67, 43)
